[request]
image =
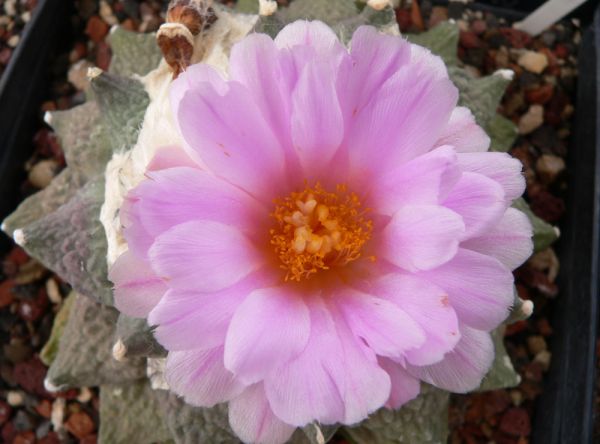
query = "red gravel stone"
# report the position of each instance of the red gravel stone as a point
(27, 437)
(518, 39)
(96, 29)
(403, 19)
(18, 255)
(515, 422)
(561, 51)
(103, 56)
(90, 439)
(541, 95)
(8, 432)
(80, 425)
(47, 143)
(6, 295)
(5, 411)
(515, 328)
(30, 375)
(44, 408)
(469, 40)
(544, 327)
(5, 54)
(547, 206)
(50, 438)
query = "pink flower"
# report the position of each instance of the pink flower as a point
(333, 232)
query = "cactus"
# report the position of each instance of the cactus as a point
(72, 227)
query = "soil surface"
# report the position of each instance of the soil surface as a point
(539, 100)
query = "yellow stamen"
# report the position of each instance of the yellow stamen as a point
(317, 230)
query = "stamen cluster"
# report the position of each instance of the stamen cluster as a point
(317, 230)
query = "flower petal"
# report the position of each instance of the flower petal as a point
(424, 180)
(386, 328)
(510, 241)
(177, 195)
(317, 124)
(189, 319)
(479, 200)
(204, 256)
(401, 121)
(194, 76)
(480, 288)
(256, 62)
(314, 34)
(429, 306)
(229, 134)
(464, 367)
(137, 288)
(501, 167)
(170, 157)
(405, 387)
(335, 378)
(463, 133)
(270, 327)
(200, 377)
(374, 58)
(252, 419)
(422, 237)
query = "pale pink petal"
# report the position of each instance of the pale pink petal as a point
(203, 256)
(269, 328)
(188, 319)
(252, 419)
(137, 237)
(510, 241)
(501, 167)
(257, 63)
(429, 306)
(314, 34)
(480, 288)
(137, 288)
(170, 157)
(402, 121)
(195, 75)
(421, 237)
(424, 180)
(479, 200)
(374, 58)
(316, 119)
(464, 367)
(386, 328)
(427, 61)
(229, 134)
(200, 377)
(335, 379)
(176, 195)
(463, 133)
(405, 387)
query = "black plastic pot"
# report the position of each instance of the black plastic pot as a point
(22, 89)
(565, 411)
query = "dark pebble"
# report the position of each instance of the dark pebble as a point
(515, 422)
(30, 375)
(5, 412)
(455, 10)
(548, 38)
(24, 421)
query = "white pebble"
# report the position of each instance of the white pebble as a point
(15, 398)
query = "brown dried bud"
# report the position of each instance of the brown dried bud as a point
(185, 20)
(195, 15)
(177, 45)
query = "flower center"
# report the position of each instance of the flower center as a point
(316, 230)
